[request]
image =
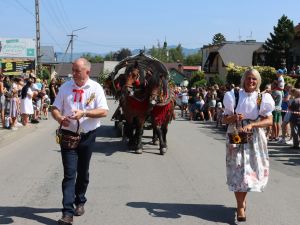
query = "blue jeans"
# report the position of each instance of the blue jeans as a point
(76, 173)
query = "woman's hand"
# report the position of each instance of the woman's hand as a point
(239, 117)
(247, 128)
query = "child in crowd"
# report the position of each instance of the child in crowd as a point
(280, 79)
(46, 106)
(219, 112)
(14, 109)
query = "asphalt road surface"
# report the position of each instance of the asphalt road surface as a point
(185, 186)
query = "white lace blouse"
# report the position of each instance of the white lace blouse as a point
(247, 104)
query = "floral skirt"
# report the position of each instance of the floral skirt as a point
(247, 165)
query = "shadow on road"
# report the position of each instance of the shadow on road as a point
(286, 155)
(278, 152)
(108, 143)
(7, 212)
(213, 213)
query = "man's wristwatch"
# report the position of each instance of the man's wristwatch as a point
(84, 113)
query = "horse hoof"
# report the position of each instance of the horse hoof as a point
(139, 151)
(163, 151)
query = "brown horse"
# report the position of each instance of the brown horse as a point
(140, 95)
(162, 97)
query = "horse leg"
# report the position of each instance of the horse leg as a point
(164, 134)
(154, 136)
(129, 134)
(138, 136)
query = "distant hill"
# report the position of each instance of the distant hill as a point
(61, 58)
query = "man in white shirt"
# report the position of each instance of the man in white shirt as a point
(83, 100)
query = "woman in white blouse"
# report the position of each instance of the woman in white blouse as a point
(26, 106)
(248, 164)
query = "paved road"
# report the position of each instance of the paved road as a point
(186, 186)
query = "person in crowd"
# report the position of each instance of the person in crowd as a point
(285, 114)
(26, 106)
(192, 103)
(295, 118)
(280, 79)
(247, 164)
(219, 113)
(83, 100)
(277, 96)
(184, 102)
(52, 90)
(37, 99)
(200, 107)
(2, 100)
(8, 86)
(14, 108)
(212, 101)
(46, 104)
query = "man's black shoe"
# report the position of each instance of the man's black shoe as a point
(65, 220)
(79, 211)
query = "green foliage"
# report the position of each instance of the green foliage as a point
(196, 77)
(102, 77)
(109, 57)
(290, 80)
(45, 74)
(193, 60)
(215, 80)
(122, 54)
(235, 73)
(93, 59)
(278, 46)
(167, 55)
(200, 83)
(218, 39)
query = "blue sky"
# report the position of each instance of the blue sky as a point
(134, 24)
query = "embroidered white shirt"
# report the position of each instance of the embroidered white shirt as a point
(68, 99)
(247, 104)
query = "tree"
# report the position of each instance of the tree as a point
(167, 55)
(93, 59)
(193, 60)
(218, 39)
(278, 46)
(122, 54)
(196, 77)
(109, 57)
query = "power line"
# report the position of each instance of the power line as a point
(32, 14)
(54, 17)
(64, 14)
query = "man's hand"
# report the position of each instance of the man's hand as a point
(77, 114)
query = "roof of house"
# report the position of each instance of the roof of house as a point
(239, 53)
(64, 69)
(192, 68)
(48, 55)
(170, 66)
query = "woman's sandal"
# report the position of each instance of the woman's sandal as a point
(240, 218)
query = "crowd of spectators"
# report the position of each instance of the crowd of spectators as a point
(25, 99)
(206, 104)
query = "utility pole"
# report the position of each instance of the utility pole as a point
(38, 38)
(72, 40)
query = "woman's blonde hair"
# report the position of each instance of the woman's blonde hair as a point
(253, 72)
